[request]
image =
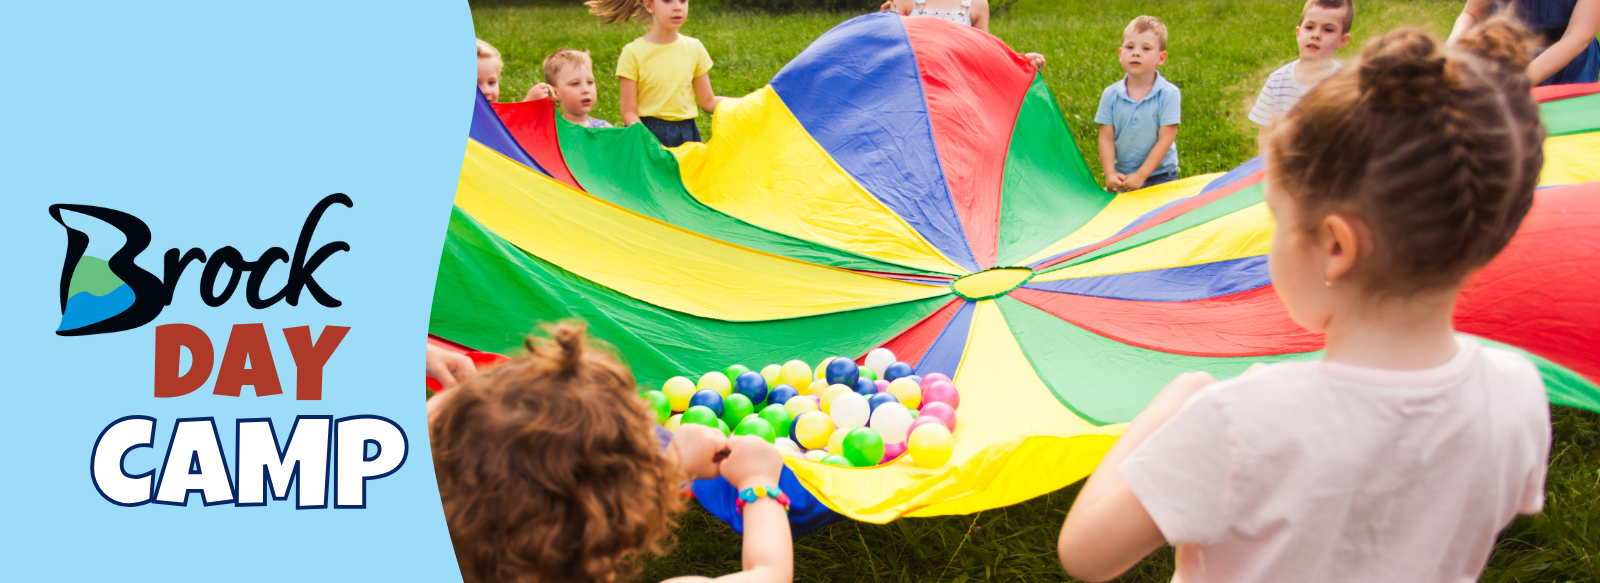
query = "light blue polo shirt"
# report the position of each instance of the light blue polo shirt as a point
(1136, 122)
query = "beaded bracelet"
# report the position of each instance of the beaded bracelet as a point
(752, 494)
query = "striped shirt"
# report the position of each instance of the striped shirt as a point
(1280, 94)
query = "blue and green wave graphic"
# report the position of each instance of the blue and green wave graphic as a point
(94, 294)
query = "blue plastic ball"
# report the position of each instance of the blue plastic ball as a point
(752, 385)
(709, 399)
(781, 394)
(897, 370)
(916, 378)
(843, 371)
(879, 399)
(866, 387)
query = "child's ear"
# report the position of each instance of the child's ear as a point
(1342, 243)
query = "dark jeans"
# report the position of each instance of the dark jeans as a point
(1161, 178)
(672, 133)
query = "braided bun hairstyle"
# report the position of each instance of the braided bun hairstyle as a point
(1435, 152)
(549, 467)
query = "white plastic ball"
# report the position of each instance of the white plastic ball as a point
(892, 421)
(849, 411)
(879, 359)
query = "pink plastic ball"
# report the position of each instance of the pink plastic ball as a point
(883, 385)
(933, 377)
(941, 392)
(924, 420)
(893, 451)
(941, 411)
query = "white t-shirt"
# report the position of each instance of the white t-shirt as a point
(1280, 94)
(1322, 472)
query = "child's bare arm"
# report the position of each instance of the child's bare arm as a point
(1261, 139)
(1164, 138)
(1108, 158)
(703, 94)
(1108, 530)
(628, 100)
(768, 546)
(979, 12)
(901, 6)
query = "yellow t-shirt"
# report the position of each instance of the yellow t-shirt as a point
(665, 74)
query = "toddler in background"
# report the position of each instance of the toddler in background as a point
(550, 470)
(489, 66)
(1400, 454)
(664, 76)
(1324, 29)
(1139, 115)
(569, 80)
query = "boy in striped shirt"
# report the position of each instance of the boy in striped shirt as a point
(1324, 29)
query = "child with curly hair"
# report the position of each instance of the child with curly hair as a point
(1403, 452)
(550, 469)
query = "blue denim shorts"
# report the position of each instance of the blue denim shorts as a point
(672, 133)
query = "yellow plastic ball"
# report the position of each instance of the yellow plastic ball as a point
(930, 446)
(795, 373)
(907, 391)
(836, 441)
(813, 430)
(673, 423)
(678, 391)
(816, 387)
(832, 393)
(715, 381)
(800, 404)
(770, 372)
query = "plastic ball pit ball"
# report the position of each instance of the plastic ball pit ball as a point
(795, 373)
(752, 385)
(863, 447)
(812, 430)
(892, 451)
(942, 391)
(724, 427)
(849, 411)
(942, 411)
(931, 378)
(778, 416)
(770, 372)
(781, 394)
(735, 408)
(837, 460)
(700, 415)
(733, 372)
(816, 455)
(660, 404)
(832, 393)
(816, 388)
(879, 359)
(892, 421)
(865, 387)
(789, 447)
(821, 372)
(920, 421)
(709, 399)
(879, 399)
(758, 427)
(678, 390)
(842, 371)
(836, 441)
(868, 373)
(907, 391)
(882, 385)
(896, 371)
(673, 423)
(799, 405)
(930, 446)
(715, 381)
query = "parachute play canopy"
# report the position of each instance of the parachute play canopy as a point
(910, 183)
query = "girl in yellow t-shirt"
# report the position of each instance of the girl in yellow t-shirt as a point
(664, 75)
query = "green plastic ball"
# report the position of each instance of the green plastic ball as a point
(863, 447)
(837, 460)
(724, 427)
(659, 403)
(700, 415)
(867, 373)
(735, 407)
(758, 427)
(779, 417)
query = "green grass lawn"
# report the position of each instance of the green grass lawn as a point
(1220, 53)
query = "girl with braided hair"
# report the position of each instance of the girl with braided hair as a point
(1403, 452)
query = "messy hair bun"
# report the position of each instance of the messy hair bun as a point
(1434, 151)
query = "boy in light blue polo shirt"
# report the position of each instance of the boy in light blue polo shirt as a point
(1139, 115)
